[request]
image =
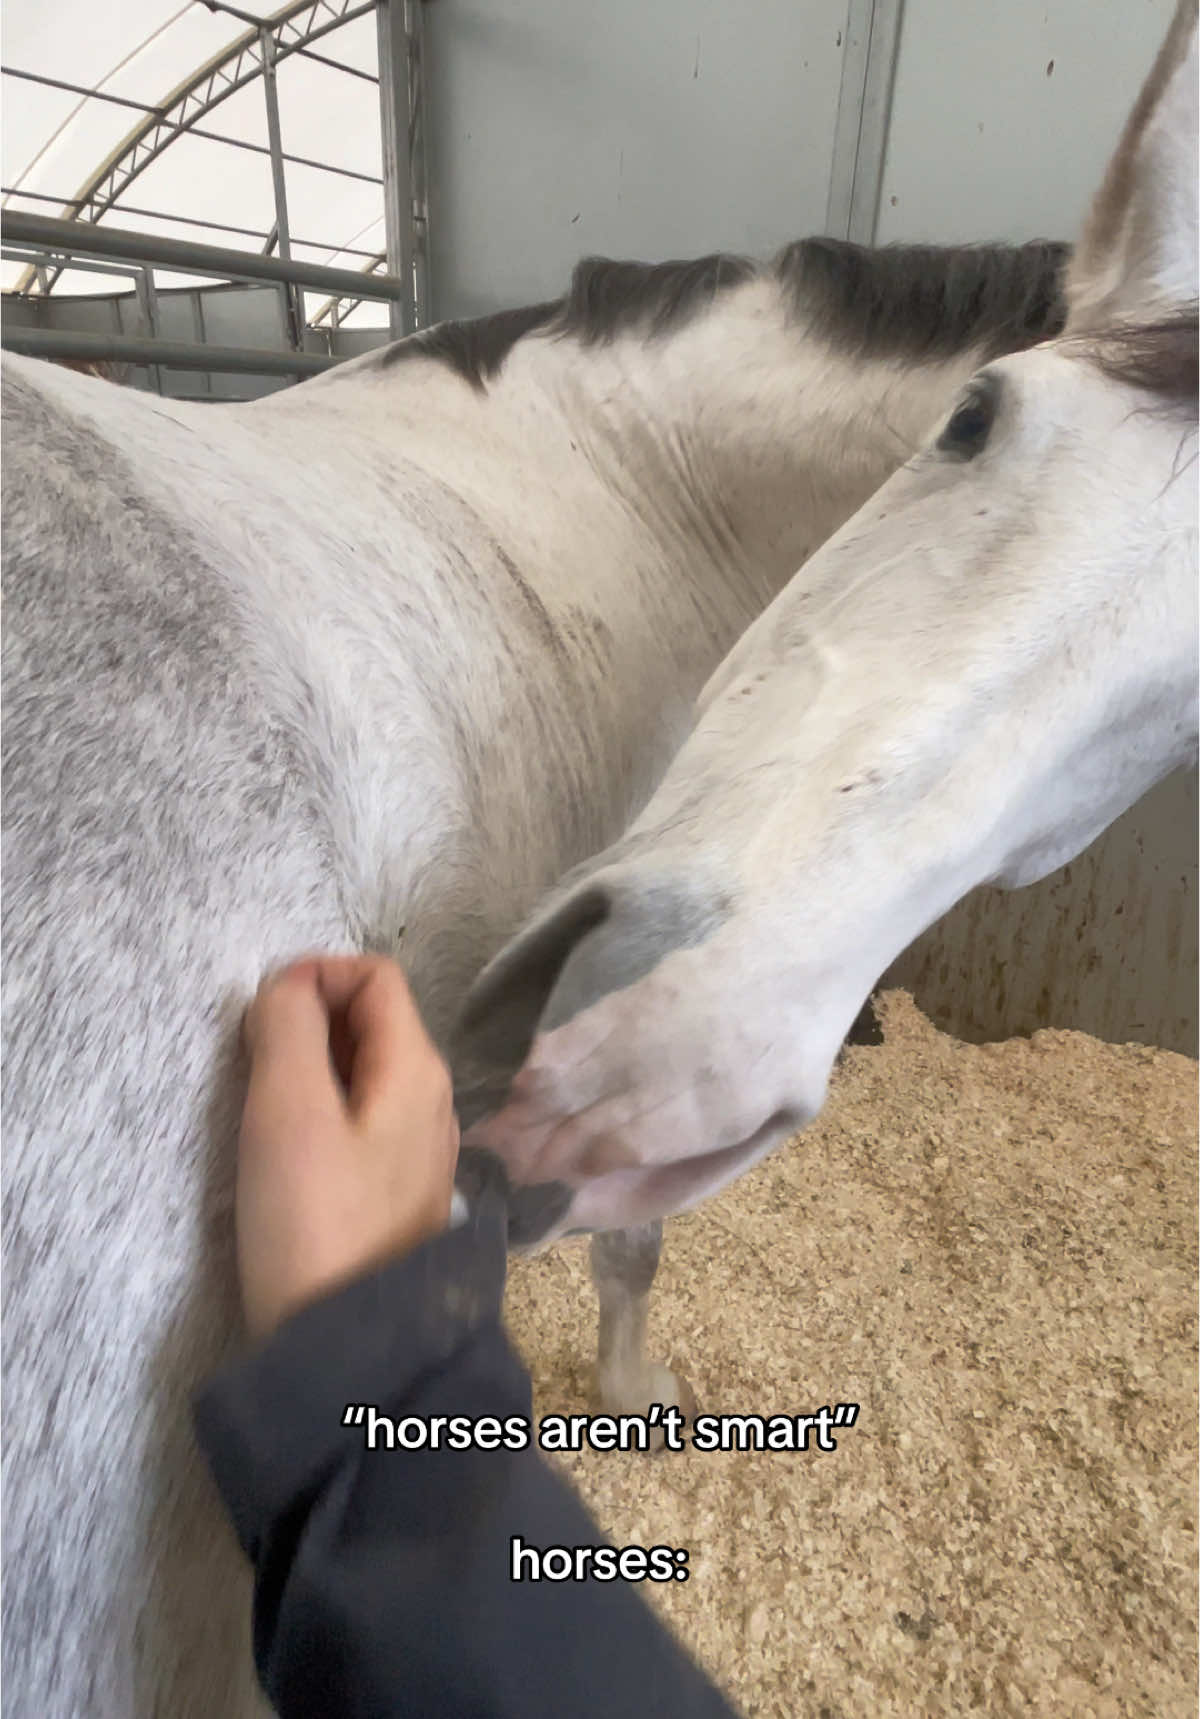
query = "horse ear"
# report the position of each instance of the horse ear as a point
(1137, 256)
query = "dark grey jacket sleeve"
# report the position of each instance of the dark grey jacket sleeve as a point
(382, 1577)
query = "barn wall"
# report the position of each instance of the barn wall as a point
(636, 128)
(1003, 115)
(1106, 945)
(237, 314)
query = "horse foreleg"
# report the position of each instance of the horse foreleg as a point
(624, 1263)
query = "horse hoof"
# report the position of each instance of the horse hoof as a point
(657, 1384)
(670, 1389)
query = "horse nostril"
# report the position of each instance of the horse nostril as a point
(646, 919)
(508, 998)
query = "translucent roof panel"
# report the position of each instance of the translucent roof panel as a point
(213, 192)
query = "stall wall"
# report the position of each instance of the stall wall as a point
(1106, 945)
(1005, 111)
(226, 315)
(636, 128)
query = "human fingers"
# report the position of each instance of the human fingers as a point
(286, 1030)
(389, 1057)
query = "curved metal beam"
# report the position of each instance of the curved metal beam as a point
(294, 26)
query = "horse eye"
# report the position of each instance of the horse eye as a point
(970, 426)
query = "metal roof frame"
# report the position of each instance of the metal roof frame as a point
(294, 27)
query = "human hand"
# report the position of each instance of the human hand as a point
(349, 1138)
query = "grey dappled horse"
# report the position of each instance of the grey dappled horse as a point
(369, 664)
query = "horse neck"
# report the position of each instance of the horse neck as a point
(724, 453)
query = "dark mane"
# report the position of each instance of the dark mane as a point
(928, 301)
(476, 349)
(914, 301)
(608, 298)
(605, 298)
(1162, 357)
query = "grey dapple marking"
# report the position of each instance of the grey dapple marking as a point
(366, 665)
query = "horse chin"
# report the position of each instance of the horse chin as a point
(624, 1198)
